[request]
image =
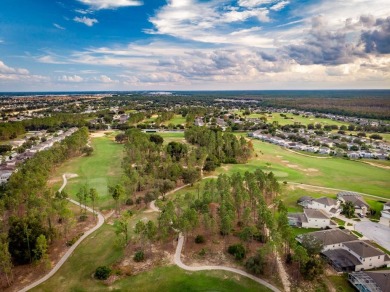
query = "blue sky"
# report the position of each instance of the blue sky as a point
(193, 44)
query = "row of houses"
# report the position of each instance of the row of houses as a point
(11, 163)
(317, 213)
(378, 153)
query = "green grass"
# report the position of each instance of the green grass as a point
(101, 169)
(377, 206)
(174, 279)
(334, 173)
(339, 221)
(176, 120)
(276, 117)
(358, 234)
(100, 249)
(76, 274)
(341, 284)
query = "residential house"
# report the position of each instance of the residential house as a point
(346, 253)
(310, 218)
(330, 206)
(361, 206)
(375, 281)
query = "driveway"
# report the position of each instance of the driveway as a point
(376, 232)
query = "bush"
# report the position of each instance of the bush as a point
(83, 217)
(202, 252)
(129, 202)
(139, 256)
(237, 250)
(199, 239)
(102, 273)
(255, 264)
(74, 239)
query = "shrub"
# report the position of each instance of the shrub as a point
(83, 217)
(255, 264)
(129, 202)
(139, 256)
(202, 252)
(199, 239)
(102, 273)
(74, 239)
(237, 250)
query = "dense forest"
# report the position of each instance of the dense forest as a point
(13, 129)
(29, 210)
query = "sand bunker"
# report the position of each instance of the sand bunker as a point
(99, 134)
(292, 165)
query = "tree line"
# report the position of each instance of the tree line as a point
(30, 211)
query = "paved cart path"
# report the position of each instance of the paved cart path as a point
(73, 247)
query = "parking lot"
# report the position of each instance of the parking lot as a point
(376, 232)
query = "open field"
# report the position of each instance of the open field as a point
(174, 279)
(77, 273)
(101, 169)
(176, 120)
(333, 173)
(291, 119)
(276, 117)
(289, 166)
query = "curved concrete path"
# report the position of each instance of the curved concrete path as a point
(180, 264)
(73, 247)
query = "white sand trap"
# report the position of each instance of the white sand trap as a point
(311, 169)
(278, 156)
(99, 134)
(292, 165)
(285, 161)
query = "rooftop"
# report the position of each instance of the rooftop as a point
(333, 236)
(314, 213)
(363, 249)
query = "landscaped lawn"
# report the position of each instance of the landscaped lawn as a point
(176, 120)
(76, 274)
(100, 249)
(100, 170)
(174, 279)
(341, 284)
(333, 173)
(297, 231)
(288, 166)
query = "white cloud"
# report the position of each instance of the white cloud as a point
(104, 79)
(9, 74)
(209, 22)
(58, 26)
(49, 59)
(4, 69)
(87, 21)
(280, 5)
(110, 4)
(254, 3)
(70, 78)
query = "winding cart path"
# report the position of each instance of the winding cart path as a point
(73, 247)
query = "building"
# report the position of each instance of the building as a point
(385, 215)
(361, 207)
(345, 253)
(375, 281)
(310, 218)
(330, 206)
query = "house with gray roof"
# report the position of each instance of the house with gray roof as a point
(361, 206)
(346, 253)
(375, 281)
(310, 218)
